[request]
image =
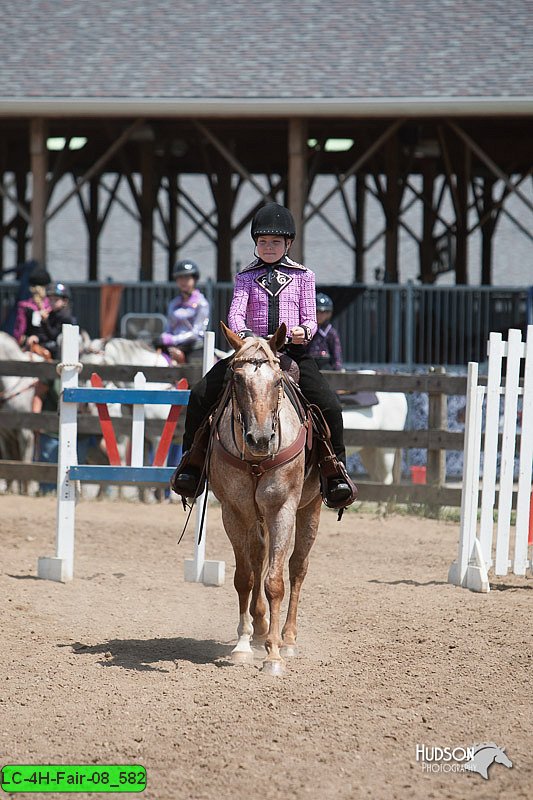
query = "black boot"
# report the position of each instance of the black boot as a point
(187, 481)
(338, 492)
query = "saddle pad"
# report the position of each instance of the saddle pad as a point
(357, 399)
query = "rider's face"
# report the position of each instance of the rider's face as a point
(271, 248)
(185, 283)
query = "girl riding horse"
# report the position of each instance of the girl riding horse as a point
(273, 289)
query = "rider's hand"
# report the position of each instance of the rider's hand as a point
(165, 340)
(32, 340)
(297, 335)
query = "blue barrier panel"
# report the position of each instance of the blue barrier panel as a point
(133, 475)
(173, 397)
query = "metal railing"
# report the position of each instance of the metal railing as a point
(400, 324)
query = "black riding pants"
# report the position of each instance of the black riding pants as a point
(314, 386)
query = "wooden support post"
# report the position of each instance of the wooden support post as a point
(93, 228)
(21, 180)
(427, 245)
(437, 421)
(172, 191)
(463, 181)
(360, 219)
(39, 167)
(392, 208)
(224, 201)
(147, 211)
(297, 189)
(487, 232)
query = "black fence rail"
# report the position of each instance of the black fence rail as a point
(404, 325)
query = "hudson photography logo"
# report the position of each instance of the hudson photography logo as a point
(477, 758)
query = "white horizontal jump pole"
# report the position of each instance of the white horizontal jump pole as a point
(197, 569)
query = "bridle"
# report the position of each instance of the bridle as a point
(237, 415)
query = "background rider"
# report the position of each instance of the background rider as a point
(187, 313)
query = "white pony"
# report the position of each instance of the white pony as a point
(16, 394)
(389, 414)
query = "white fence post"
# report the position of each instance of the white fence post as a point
(197, 569)
(469, 569)
(526, 460)
(61, 567)
(475, 555)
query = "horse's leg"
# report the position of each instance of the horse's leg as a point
(280, 527)
(257, 603)
(307, 519)
(238, 532)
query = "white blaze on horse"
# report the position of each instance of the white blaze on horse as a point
(258, 472)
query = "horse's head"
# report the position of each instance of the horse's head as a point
(257, 388)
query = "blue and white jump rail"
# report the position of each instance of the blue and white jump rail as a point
(61, 566)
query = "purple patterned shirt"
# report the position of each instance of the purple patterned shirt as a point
(326, 347)
(265, 296)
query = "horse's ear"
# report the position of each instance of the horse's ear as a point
(233, 340)
(277, 339)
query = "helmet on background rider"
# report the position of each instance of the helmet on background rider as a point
(39, 277)
(186, 267)
(273, 220)
(59, 290)
(324, 302)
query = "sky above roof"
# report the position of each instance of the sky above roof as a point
(216, 49)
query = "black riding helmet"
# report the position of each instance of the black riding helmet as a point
(59, 290)
(324, 302)
(186, 267)
(39, 277)
(273, 220)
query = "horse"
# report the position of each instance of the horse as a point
(16, 394)
(389, 413)
(257, 470)
(484, 755)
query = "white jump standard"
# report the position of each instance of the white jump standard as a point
(61, 567)
(475, 553)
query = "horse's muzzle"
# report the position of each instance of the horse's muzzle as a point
(259, 445)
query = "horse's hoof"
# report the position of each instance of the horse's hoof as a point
(242, 657)
(289, 650)
(273, 667)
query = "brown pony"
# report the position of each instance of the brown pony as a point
(258, 473)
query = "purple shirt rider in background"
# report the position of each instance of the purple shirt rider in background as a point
(32, 312)
(325, 345)
(188, 313)
(271, 290)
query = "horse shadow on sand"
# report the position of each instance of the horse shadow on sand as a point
(156, 655)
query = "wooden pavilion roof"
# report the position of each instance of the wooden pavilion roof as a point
(233, 58)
